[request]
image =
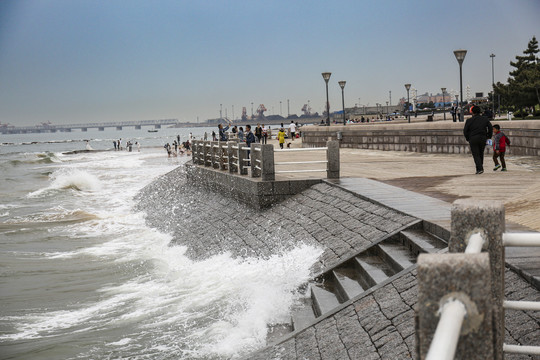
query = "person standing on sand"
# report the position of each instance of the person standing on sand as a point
(477, 130)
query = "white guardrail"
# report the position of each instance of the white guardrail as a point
(453, 312)
(286, 163)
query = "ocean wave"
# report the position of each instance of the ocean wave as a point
(70, 179)
(56, 215)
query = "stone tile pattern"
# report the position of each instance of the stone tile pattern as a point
(381, 326)
(209, 223)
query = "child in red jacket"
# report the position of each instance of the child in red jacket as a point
(500, 140)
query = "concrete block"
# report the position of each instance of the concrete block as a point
(465, 277)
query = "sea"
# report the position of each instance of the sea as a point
(82, 275)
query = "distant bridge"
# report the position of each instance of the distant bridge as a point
(156, 124)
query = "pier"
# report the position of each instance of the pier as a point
(119, 125)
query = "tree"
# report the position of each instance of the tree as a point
(523, 88)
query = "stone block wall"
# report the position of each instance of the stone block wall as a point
(437, 137)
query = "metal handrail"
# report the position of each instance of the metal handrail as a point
(445, 340)
(521, 305)
(475, 243)
(301, 149)
(521, 349)
(521, 239)
(301, 162)
(298, 171)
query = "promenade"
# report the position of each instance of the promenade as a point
(445, 177)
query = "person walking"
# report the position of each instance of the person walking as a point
(477, 130)
(292, 129)
(281, 137)
(500, 140)
(258, 133)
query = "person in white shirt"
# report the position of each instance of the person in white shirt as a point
(292, 129)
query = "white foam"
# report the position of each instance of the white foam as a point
(70, 179)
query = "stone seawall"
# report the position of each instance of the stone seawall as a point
(437, 137)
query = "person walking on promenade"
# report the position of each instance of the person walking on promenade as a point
(292, 128)
(258, 133)
(241, 134)
(453, 111)
(500, 140)
(281, 137)
(477, 130)
(250, 139)
(264, 134)
(222, 132)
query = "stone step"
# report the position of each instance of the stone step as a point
(421, 241)
(346, 283)
(302, 317)
(277, 331)
(372, 269)
(397, 255)
(323, 300)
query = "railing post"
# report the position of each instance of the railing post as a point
(231, 153)
(267, 163)
(332, 156)
(443, 278)
(254, 156)
(214, 154)
(487, 217)
(242, 156)
(206, 152)
(221, 153)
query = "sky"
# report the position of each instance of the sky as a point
(91, 61)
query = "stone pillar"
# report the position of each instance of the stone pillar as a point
(465, 277)
(222, 155)
(214, 154)
(267, 163)
(468, 217)
(231, 154)
(206, 152)
(332, 155)
(254, 156)
(242, 155)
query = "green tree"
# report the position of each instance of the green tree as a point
(523, 88)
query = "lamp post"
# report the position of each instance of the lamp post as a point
(326, 77)
(457, 102)
(408, 87)
(387, 109)
(443, 103)
(342, 85)
(492, 56)
(460, 56)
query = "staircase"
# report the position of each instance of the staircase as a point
(358, 274)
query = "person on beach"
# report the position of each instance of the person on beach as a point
(138, 146)
(114, 143)
(281, 137)
(214, 138)
(500, 140)
(477, 130)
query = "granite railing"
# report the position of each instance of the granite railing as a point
(237, 158)
(461, 302)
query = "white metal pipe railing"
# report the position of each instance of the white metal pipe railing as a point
(245, 148)
(521, 349)
(474, 246)
(301, 162)
(445, 340)
(257, 167)
(298, 171)
(522, 305)
(301, 149)
(521, 239)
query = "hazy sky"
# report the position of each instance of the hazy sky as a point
(78, 61)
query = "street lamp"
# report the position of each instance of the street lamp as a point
(408, 87)
(443, 103)
(492, 56)
(387, 109)
(326, 77)
(342, 85)
(460, 56)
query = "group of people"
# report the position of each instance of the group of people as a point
(129, 145)
(478, 131)
(260, 135)
(176, 148)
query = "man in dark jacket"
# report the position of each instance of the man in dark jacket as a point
(477, 130)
